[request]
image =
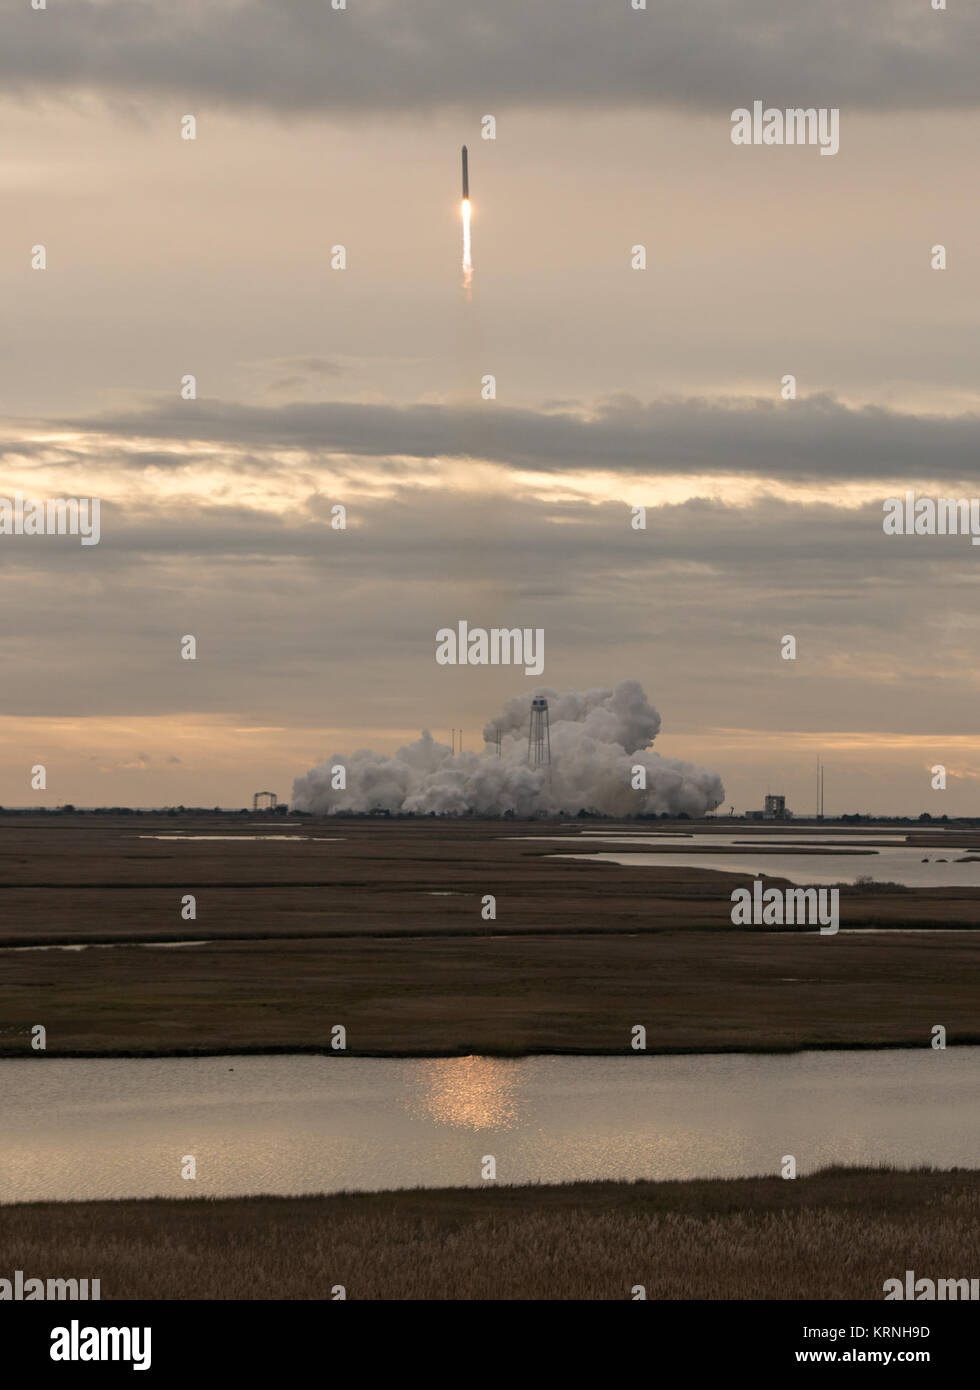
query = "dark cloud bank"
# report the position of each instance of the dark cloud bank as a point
(394, 55)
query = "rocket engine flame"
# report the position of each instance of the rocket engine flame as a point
(467, 257)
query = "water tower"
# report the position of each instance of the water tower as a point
(539, 734)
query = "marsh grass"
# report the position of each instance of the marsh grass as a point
(838, 1233)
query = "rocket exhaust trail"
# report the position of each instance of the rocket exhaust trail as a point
(465, 208)
(467, 257)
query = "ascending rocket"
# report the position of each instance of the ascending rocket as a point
(465, 212)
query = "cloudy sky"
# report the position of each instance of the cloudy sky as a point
(615, 387)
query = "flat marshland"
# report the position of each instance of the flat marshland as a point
(378, 924)
(835, 1234)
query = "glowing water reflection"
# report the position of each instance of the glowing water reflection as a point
(469, 1092)
(76, 1129)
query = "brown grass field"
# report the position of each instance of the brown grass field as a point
(377, 925)
(836, 1234)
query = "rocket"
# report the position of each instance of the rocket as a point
(466, 177)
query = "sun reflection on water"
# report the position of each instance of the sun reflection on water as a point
(470, 1092)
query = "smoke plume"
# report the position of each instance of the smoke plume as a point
(598, 738)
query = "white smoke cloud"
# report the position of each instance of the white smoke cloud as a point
(597, 738)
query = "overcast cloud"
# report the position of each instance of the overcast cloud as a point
(814, 438)
(167, 257)
(397, 55)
